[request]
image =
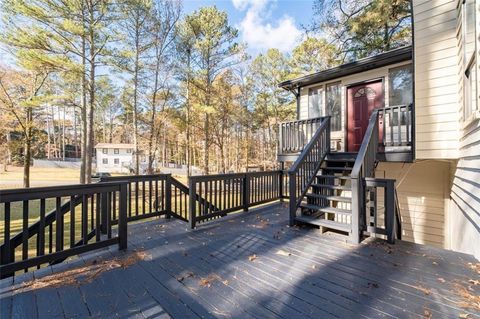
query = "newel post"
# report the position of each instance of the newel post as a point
(122, 217)
(390, 210)
(293, 198)
(356, 208)
(192, 191)
(168, 196)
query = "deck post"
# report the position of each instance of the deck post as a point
(280, 185)
(246, 192)
(168, 196)
(356, 211)
(122, 217)
(390, 211)
(192, 190)
(293, 198)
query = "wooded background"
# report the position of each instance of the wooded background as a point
(180, 87)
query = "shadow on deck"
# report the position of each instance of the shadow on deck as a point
(249, 265)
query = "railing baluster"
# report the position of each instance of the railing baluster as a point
(59, 224)
(25, 231)
(72, 221)
(6, 256)
(100, 203)
(84, 219)
(41, 229)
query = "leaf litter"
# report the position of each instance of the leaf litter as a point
(83, 275)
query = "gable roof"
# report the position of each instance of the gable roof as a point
(114, 145)
(373, 62)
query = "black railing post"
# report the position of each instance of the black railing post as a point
(246, 192)
(390, 210)
(122, 217)
(356, 207)
(192, 190)
(293, 198)
(280, 182)
(168, 196)
(103, 201)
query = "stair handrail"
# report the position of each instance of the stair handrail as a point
(303, 172)
(364, 167)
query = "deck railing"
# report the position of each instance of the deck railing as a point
(59, 222)
(226, 193)
(388, 223)
(305, 168)
(396, 125)
(146, 195)
(364, 167)
(294, 135)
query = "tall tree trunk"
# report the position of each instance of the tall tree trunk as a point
(90, 131)
(28, 149)
(135, 106)
(83, 110)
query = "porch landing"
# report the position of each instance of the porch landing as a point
(249, 266)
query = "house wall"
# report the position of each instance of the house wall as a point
(436, 83)
(464, 205)
(379, 73)
(125, 161)
(422, 189)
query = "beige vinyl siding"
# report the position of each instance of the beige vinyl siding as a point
(422, 188)
(464, 206)
(436, 80)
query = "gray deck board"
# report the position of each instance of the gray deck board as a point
(297, 273)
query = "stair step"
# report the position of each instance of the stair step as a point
(324, 222)
(342, 187)
(331, 197)
(321, 210)
(340, 160)
(338, 169)
(334, 176)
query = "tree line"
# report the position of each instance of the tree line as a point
(180, 87)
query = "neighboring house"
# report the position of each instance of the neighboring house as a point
(114, 158)
(429, 129)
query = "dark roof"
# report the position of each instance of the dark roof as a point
(377, 61)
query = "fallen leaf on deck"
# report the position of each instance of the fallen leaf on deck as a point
(207, 282)
(441, 280)
(470, 301)
(426, 291)
(252, 257)
(427, 314)
(283, 253)
(464, 316)
(474, 282)
(187, 275)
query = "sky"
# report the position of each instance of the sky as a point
(263, 24)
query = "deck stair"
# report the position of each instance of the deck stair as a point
(327, 204)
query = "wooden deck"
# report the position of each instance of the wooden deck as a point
(249, 266)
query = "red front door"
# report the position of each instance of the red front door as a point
(362, 100)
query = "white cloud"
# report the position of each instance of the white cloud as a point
(260, 34)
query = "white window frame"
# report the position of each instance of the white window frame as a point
(105, 161)
(116, 161)
(105, 150)
(116, 151)
(470, 110)
(321, 94)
